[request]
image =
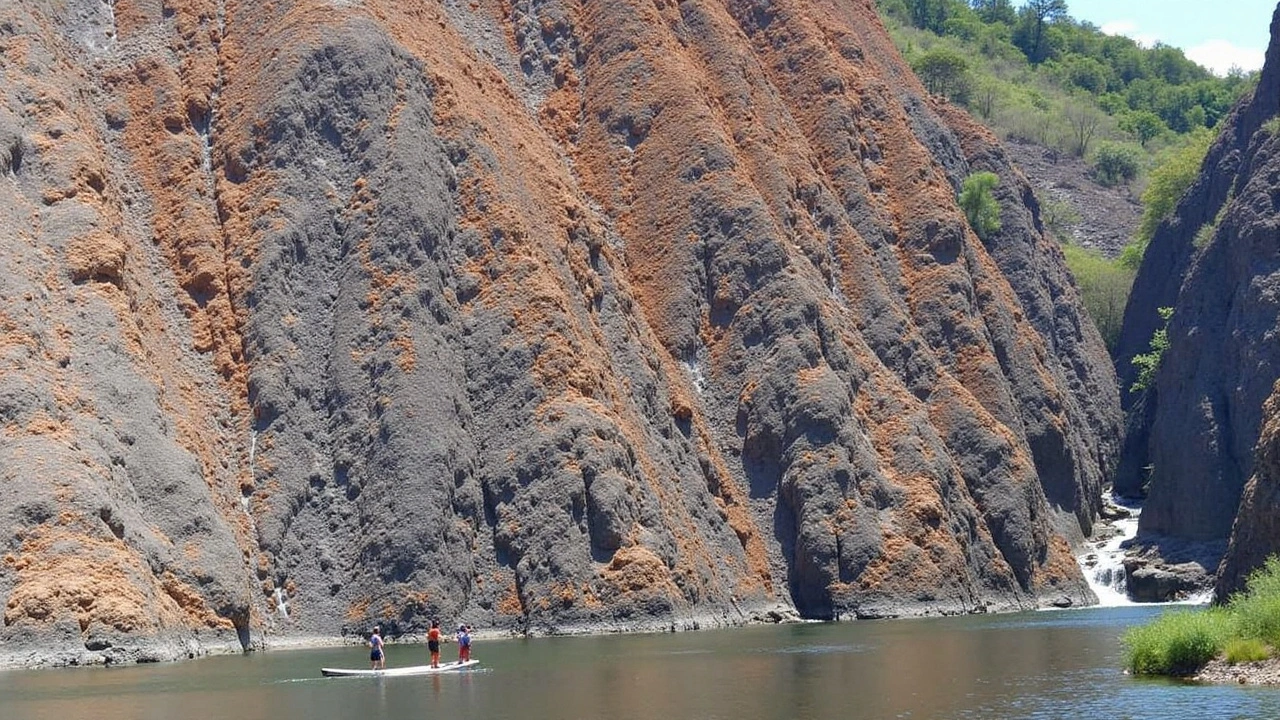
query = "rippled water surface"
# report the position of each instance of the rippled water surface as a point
(1061, 664)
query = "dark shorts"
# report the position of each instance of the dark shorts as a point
(376, 655)
(433, 646)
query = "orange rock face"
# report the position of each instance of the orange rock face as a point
(540, 316)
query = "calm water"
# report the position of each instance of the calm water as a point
(1062, 664)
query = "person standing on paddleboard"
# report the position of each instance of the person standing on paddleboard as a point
(377, 660)
(464, 643)
(433, 643)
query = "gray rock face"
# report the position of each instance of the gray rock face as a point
(550, 319)
(1197, 430)
(1165, 583)
(1073, 461)
(1255, 536)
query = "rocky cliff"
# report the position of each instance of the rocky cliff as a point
(542, 315)
(1255, 534)
(1216, 263)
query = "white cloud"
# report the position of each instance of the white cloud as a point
(1129, 29)
(1220, 56)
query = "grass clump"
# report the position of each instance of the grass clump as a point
(1177, 643)
(1246, 650)
(1258, 608)
(1246, 629)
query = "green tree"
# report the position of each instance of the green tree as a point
(1084, 118)
(1086, 73)
(1172, 66)
(979, 203)
(929, 14)
(984, 96)
(944, 72)
(1033, 19)
(1149, 362)
(1116, 163)
(995, 11)
(1143, 125)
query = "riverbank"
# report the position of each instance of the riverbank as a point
(1219, 671)
(40, 652)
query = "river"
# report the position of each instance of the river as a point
(1048, 664)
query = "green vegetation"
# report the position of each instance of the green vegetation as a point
(1104, 289)
(1258, 608)
(979, 204)
(1178, 642)
(944, 71)
(1246, 630)
(1272, 125)
(1148, 363)
(1245, 650)
(1033, 72)
(1174, 172)
(1205, 234)
(1115, 163)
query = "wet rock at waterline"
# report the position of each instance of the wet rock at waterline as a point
(544, 318)
(1167, 583)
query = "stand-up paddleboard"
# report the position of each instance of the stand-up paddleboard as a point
(400, 671)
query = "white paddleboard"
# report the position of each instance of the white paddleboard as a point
(399, 671)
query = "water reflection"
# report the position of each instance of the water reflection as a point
(1037, 665)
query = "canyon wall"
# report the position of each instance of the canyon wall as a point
(544, 316)
(1255, 535)
(1216, 263)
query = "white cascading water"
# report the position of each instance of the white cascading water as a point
(1103, 564)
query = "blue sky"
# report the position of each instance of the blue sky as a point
(1215, 33)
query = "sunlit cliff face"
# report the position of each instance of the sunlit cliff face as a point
(546, 316)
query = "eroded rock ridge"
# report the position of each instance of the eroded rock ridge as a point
(543, 315)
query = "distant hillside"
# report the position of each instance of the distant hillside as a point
(1034, 73)
(1087, 115)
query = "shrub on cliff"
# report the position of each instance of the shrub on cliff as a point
(979, 203)
(1173, 173)
(1149, 362)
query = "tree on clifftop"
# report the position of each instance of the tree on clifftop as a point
(992, 11)
(1030, 33)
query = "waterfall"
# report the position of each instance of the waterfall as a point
(282, 603)
(1103, 563)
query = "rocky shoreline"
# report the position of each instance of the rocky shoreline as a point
(1219, 671)
(36, 655)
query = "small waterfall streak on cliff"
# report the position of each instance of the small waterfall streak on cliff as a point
(1104, 565)
(693, 366)
(282, 605)
(253, 475)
